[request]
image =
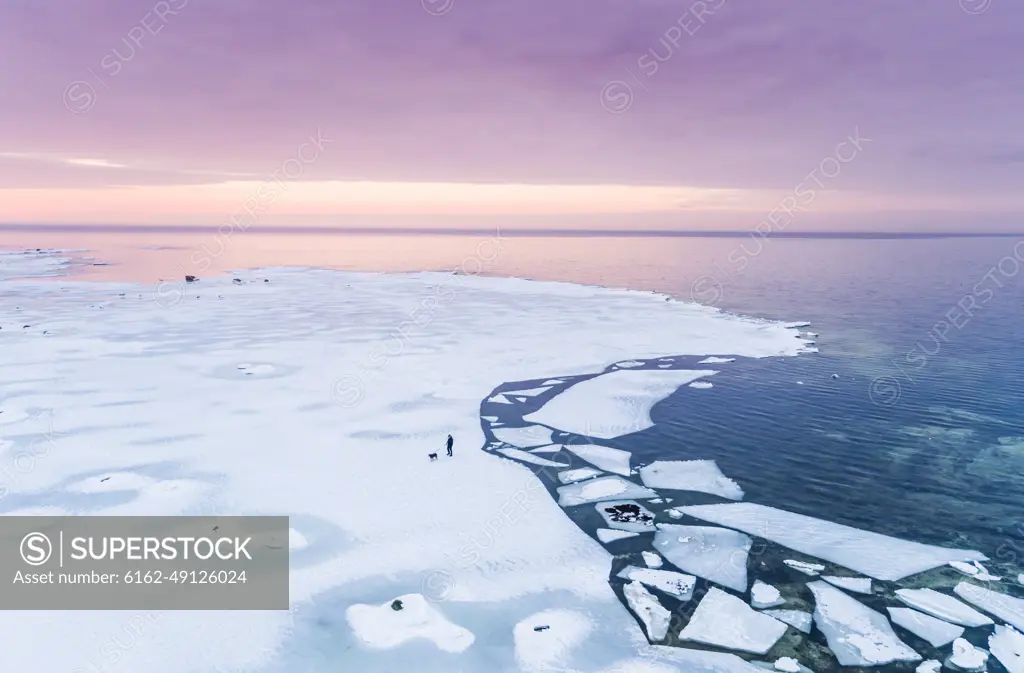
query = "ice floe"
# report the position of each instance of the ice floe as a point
(527, 457)
(1020, 579)
(651, 560)
(724, 620)
(603, 488)
(525, 438)
(1005, 607)
(690, 475)
(674, 584)
(942, 606)
(702, 385)
(798, 619)
(930, 666)
(764, 595)
(613, 404)
(856, 634)
(873, 554)
(652, 613)
(608, 459)
(935, 631)
(713, 360)
(579, 474)
(383, 627)
(967, 657)
(545, 640)
(607, 535)
(859, 585)
(787, 665)
(626, 515)
(975, 570)
(811, 569)
(718, 555)
(1007, 645)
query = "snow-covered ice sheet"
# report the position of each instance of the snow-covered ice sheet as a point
(725, 621)
(718, 555)
(1007, 645)
(856, 634)
(675, 584)
(382, 627)
(608, 459)
(798, 619)
(364, 387)
(604, 488)
(942, 606)
(1005, 607)
(690, 475)
(873, 554)
(935, 631)
(545, 640)
(612, 404)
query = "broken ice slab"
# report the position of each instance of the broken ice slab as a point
(936, 631)
(604, 488)
(674, 584)
(873, 554)
(690, 475)
(722, 620)
(718, 555)
(942, 606)
(856, 634)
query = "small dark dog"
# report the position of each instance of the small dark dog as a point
(432, 456)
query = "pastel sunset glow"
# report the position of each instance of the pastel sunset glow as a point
(674, 115)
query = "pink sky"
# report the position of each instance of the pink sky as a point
(593, 113)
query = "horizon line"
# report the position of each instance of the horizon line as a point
(512, 233)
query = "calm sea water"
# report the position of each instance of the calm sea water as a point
(920, 436)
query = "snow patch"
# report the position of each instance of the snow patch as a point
(382, 627)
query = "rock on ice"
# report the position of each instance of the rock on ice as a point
(550, 647)
(653, 614)
(626, 515)
(722, 620)
(718, 555)
(875, 555)
(601, 489)
(381, 627)
(857, 635)
(942, 606)
(936, 631)
(673, 583)
(690, 475)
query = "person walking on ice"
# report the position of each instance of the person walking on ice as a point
(450, 442)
